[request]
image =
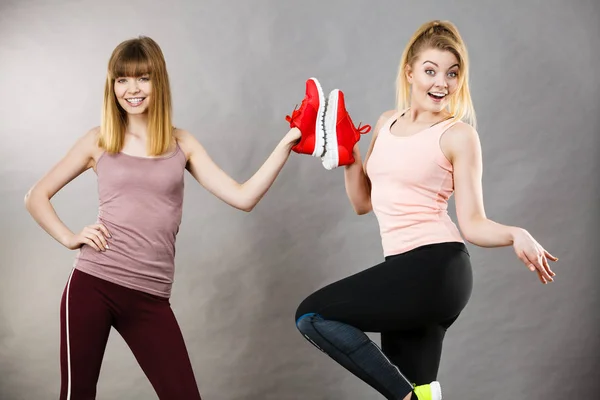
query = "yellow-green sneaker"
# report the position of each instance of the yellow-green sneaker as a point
(432, 391)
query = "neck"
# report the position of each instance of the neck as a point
(138, 125)
(418, 114)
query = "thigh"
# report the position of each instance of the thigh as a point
(345, 299)
(418, 288)
(151, 331)
(417, 352)
(85, 326)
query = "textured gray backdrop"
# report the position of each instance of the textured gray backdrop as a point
(237, 68)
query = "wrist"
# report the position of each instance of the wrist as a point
(285, 146)
(65, 238)
(513, 233)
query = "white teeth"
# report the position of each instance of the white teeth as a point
(438, 94)
(136, 100)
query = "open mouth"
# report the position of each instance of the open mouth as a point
(436, 95)
(135, 101)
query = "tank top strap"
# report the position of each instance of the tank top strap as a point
(440, 128)
(387, 126)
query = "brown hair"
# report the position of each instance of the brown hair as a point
(134, 58)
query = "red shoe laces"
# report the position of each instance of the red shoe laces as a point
(295, 113)
(360, 129)
(363, 129)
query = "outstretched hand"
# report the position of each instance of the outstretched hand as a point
(533, 255)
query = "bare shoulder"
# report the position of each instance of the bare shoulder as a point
(383, 118)
(462, 134)
(81, 156)
(459, 139)
(91, 137)
(88, 144)
(181, 135)
(186, 141)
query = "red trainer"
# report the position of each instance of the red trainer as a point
(341, 134)
(309, 119)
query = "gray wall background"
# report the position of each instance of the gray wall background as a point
(237, 68)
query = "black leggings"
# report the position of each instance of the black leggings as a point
(410, 298)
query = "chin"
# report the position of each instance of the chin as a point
(436, 108)
(134, 110)
(137, 112)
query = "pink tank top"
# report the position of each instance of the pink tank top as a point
(140, 203)
(411, 182)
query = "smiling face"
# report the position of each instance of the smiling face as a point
(133, 93)
(433, 78)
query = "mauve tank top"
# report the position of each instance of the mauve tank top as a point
(140, 203)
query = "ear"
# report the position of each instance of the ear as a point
(409, 73)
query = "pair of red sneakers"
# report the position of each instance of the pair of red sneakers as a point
(327, 129)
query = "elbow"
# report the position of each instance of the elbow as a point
(242, 200)
(28, 199)
(247, 208)
(466, 232)
(471, 230)
(362, 209)
(33, 197)
(469, 238)
(247, 205)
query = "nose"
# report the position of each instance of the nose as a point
(133, 86)
(441, 81)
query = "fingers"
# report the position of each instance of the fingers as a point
(103, 229)
(525, 261)
(535, 263)
(550, 256)
(532, 267)
(91, 243)
(91, 237)
(547, 266)
(95, 234)
(541, 263)
(535, 257)
(541, 277)
(523, 257)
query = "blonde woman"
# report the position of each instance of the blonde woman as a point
(420, 154)
(123, 273)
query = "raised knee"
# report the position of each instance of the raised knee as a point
(303, 309)
(304, 321)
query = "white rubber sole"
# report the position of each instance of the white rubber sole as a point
(319, 150)
(331, 157)
(436, 391)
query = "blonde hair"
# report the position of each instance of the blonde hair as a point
(134, 58)
(442, 35)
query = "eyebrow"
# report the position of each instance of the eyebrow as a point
(427, 61)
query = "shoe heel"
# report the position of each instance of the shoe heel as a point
(436, 390)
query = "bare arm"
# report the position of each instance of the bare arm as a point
(358, 185)
(464, 149)
(465, 154)
(37, 200)
(243, 196)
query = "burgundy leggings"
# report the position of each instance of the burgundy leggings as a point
(90, 307)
